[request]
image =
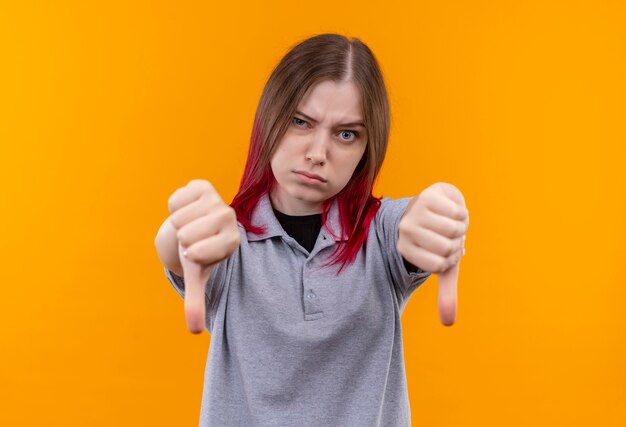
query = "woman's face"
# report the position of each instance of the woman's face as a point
(326, 137)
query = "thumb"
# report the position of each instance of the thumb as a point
(447, 297)
(195, 284)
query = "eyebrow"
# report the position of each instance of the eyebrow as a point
(341, 124)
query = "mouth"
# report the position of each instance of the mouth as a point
(310, 176)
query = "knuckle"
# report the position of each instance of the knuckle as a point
(202, 185)
(173, 222)
(171, 203)
(402, 227)
(456, 214)
(451, 248)
(233, 242)
(229, 215)
(210, 202)
(427, 195)
(223, 252)
(200, 254)
(452, 260)
(441, 185)
(454, 229)
(223, 214)
(207, 186)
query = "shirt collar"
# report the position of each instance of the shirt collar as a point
(263, 215)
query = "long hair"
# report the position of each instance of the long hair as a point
(322, 57)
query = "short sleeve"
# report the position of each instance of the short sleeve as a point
(213, 290)
(388, 218)
(176, 281)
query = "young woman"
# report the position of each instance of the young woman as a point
(302, 280)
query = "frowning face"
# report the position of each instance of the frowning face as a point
(325, 140)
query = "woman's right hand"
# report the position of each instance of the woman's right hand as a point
(207, 233)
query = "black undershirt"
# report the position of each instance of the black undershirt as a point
(305, 229)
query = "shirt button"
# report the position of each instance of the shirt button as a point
(324, 237)
(311, 295)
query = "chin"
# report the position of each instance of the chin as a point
(306, 196)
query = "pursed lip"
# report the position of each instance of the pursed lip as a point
(310, 175)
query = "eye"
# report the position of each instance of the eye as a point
(356, 135)
(298, 121)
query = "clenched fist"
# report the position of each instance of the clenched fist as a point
(207, 233)
(432, 237)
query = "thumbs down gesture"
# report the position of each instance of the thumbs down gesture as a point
(432, 237)
(207, 233)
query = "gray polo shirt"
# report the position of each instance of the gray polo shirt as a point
(292, 345)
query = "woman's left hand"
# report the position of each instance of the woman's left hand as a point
(432, 236)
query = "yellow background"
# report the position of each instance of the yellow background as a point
(107, 108)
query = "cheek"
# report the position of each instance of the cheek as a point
(355, 158)
(279, 161)
(283, 153)
(349, 165)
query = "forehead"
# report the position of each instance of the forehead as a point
(336, 100)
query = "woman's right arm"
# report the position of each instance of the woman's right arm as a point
(166, 244)
(205, 227)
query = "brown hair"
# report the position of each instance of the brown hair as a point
(321, 57)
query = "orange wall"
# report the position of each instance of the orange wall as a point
(107, 109)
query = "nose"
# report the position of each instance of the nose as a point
(317, 151)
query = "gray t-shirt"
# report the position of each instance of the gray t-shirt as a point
(292, 345)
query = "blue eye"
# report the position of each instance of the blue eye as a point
(298, 121)
(350, 132)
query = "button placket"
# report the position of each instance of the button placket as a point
(312, 306)
(312, 299)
